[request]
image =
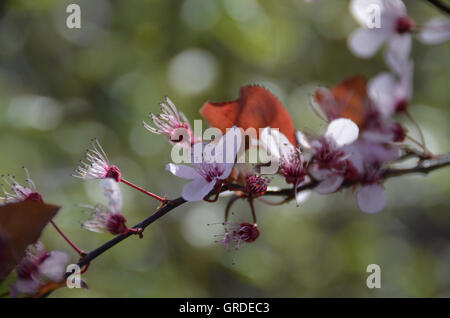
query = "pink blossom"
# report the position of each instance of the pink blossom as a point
(19, 192)
(207, 173)
(365, 154)
(289, 158)
(368, 157)
(238, 233)
(395, 27)
(97, 166)
(376, 120)
(371, 198)
(171, 123)
(256, 185)
(38, 267)
(382, 129)
(107, 218)
(390, 93)
(330, 164)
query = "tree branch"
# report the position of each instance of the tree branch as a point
(119, 238)
(440, 5)
(423, 167)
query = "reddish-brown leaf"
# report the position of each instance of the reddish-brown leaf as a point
(348, 99)
(21, 224)
(256, 107)
(48, 288)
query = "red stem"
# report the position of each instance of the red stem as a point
(143, 191)
(64, 236)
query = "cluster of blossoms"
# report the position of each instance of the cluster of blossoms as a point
(388, 93)
(361, 139)
(37, 267)
(107, 218)
(387, 21)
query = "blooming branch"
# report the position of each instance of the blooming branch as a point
(427, 166)
(364, 139)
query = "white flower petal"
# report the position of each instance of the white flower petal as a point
(364, 43)
(277, 143)
(182, 171)
(360, 10)
(54, 266)
(227, 193)
(435, 31)
(197, 189)
(227, 168)
(269, 142)
(302, 140)
(286, 148)
(302, 196)
(330, 184)
(228, 146)
(112, 192)
(371, 198)
(398, 51)
(381, 91)
(394, 7)
(342, 131)
(319, 174)
(406, 82)
(356, 155)
(25, 286)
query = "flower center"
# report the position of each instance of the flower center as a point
(30, 265)
(116, 224)
(351, 173)
(248, 232)
(402, 105)
(399, 132)
(113, 172)
(256, 185)
(328, 158)
(293, 170)
(26, 269)
(35, 197)
(404, 24)
(210, 172)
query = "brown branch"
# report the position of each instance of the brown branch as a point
(440, 5)
(152, 218)
(423, 167)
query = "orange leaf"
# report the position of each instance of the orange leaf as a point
(256, 107)
(348, 99)
(21, 224)
(48, 288)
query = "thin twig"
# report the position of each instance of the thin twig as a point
(143, 190)
(423, 167)
(66, 238)
(440, 5)
(119, 238)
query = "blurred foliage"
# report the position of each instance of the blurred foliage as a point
(61, 87)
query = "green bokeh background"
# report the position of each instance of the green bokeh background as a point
(61, 87)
